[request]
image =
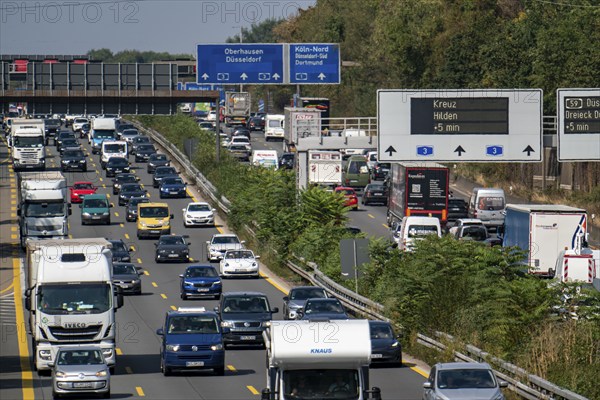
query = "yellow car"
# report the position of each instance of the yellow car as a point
(154, 219)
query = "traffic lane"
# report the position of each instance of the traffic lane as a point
(371, 219)
(397, 383)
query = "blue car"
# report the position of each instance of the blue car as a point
(192, 339)
(172, 186)
(385, 347)
(200, 281)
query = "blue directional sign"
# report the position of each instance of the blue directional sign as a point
(314, 63)
(424, 150)
(242, 63)
(180, 86)
(494, 151)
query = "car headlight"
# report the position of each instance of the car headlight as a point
(86, 214)
(135, 281)
(185, 251)
(105, 213)
(226, 264)
(60, 374)
(266, 324)
(162, 251)
(188, 283)
(227, 324)
(216, 347)
(172, 347)
(126, 258)
(499, 396)
(102, 373)
(142, 223)
(217, 283)
(63, 161)
(395, 344)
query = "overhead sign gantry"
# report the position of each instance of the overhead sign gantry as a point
(578, 124)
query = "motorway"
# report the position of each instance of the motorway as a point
(137, 371)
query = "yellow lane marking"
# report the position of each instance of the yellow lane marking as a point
(13, 196)
(164, 296)
(108, 195)
(132, 247)
(116, 214)
(14, 236)
(420, 371)
(173, 308)
(146, 273)
(191, 259)
(191, 195)
(122, 226)
(128, 370)
(6, 289)
(126, 236)
(272, 282)
(386, 226)
(103, 185)
(14, 228)
(154, 284)
(13, 191)
(252, 389)
(70, 236)
(139, 391)
(371, 216)
(13, 202)
(231, 368)
(23, 340)
(119, 351)
(100, 179)
(139, 260)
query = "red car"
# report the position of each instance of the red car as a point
(81, 189)
(350, 195)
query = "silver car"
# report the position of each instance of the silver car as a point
(462, 381)
(80, 369)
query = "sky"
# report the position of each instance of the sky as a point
(77, 26)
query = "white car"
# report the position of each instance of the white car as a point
(212, 116)
(79, 122)
(240, 140)
(239, 263)
(462, 222)
(198, 214)
(220, 243)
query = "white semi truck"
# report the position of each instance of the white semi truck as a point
(27, 139)
(318, 360)
(70, 297)
(42, 206)
(325, 167)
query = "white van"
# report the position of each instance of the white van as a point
(274, 124)
(415, 228)
(265, 158)
(113, 148)
(487, 204)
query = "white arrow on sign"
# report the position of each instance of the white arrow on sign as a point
(205, 76)
(275, 76)
(243, 76)
(321, 76)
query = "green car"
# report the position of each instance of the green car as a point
(95, 209)
(356, 172)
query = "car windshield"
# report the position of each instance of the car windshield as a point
(95, 203)
(381, 332)
(130, 132)
(173, 181)
(375, 186)
(124, 269)
(44, 209)
(64, 135)
(126, 178)
(70, 143)
(318, 306)
(142, 139)
(166, 171)
(421, 230)
(158, 157)
(199, 207)
(131, 187)
(466, 379)
(171, 240)
(244, 304)
(154, 212)
(28, 141)
(118, 246)
(79, 357)
(86, 185)
(134, 201)
(491, 203)
(201, 273)
(146, 147)
(73, 154)
(239, 254)
(325, 384)
(126, 127)
(192, 324)
(104, 134)
(81, 120)
(114, 148)
(238, 148)
(346, 192)
(80, 298)
(308, 293)
(225, 240)
(478, 233)
(384, 165)
(117, 161)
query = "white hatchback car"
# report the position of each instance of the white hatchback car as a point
(198, 214)
(218, 245)
(239, 263)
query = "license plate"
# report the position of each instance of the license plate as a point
(82, 385)
(248, 337)
(95, 217)
(203, 290)
(377, 194)
(376, 355)
(194, 364)
(154, 231)
(173, 255)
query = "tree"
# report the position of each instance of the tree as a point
(261, 32)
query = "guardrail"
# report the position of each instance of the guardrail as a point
(526, 385)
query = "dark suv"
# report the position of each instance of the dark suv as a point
(247, 315)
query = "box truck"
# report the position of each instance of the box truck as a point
(543, 231)
(102, 129)
(325, 167)
(318, 360)
(417, 189)
(70, 297)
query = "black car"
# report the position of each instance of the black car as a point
(51, 127)
(247, 315)
(375, 193)
(385, 346)
(241, 131)
(120, 252)
(287, 161)
(330, 308)
(157, 160)
(172, 248)
(137, 141)
(69, 143)
(127, 277)
(73, 160)
(131, 213)
(62, 135)
(293, 303)
(123, 178)
(129, 190)
(117, 165)
(457, 209)
(257, 124)
(160, 173)
(380, 171)
(144, 151)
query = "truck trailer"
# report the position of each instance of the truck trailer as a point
(70, 297)
(543, 231)
(417, 189)
(325, 168)
(42, 205)
(237, 108)
(318, 360)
